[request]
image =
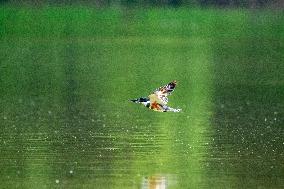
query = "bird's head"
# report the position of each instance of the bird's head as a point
(140, 100)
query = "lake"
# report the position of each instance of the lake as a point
(67, 75)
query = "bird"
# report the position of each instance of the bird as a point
(158, 100)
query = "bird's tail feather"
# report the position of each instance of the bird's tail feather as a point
(169, 109)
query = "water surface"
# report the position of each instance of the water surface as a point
(66, 119)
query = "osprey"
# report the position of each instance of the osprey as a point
(158, 100)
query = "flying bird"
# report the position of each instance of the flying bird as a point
(158, 100)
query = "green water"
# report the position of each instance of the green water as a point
(67, 73)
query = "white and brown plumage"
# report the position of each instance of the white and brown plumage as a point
(158, 100)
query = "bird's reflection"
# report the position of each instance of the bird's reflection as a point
(154, 182)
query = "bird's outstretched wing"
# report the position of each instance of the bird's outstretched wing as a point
(161, 93)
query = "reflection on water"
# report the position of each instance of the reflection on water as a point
(82, 137)
(154, 182)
